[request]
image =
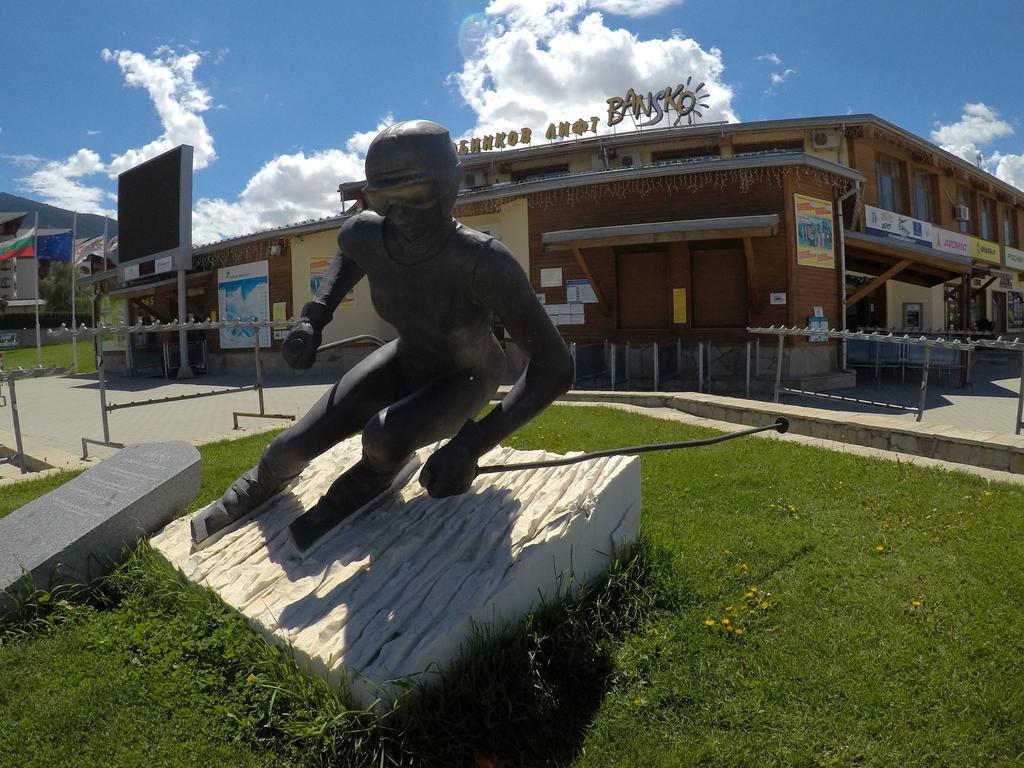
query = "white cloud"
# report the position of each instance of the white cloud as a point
(978, 127)
(58, 183)
(287, 189)
(635, 8)
(169, 78)
(543, 61)
(778, 79)
(770, 57)
(179, 100)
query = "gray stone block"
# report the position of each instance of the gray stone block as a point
(79, 531)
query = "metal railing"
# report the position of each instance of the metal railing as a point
(927, 345)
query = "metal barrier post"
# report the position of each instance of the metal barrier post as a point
(102, 376)
(612, 366)
(17, 426)
(700, 366)
(748, 370)
(259, 391)
(655, 366)
(1020, 398)
(924, 381)
(757, 358)
(572, 354)
(778, 369)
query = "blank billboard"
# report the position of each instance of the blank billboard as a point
(154, 209)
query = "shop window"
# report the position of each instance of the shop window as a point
(1015, 309)
(1009, 226)
(924, 196)
(705, 152)
(986, 219)
(891, 177)
(536, 174)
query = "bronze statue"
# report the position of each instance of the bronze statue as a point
(440, 284)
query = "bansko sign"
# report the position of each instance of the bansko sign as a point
(1014, 258)
(646, 109)
(682, 100)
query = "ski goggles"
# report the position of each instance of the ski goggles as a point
(418, 194)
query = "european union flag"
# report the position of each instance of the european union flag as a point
(55, 247)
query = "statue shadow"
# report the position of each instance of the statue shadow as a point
(395, 584)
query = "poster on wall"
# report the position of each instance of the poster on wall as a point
(814, 243)
(318, 267)
(113, 311)
(243, 292)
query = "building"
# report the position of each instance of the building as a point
(689, 233)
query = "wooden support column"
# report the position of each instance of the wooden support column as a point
(602, 302)
(879, 281)
(752, 294)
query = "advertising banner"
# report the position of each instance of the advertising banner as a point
(896, 226)
(1014, 258)
(983, 250)
(952, 242)
(814, 243)
(243, 293)
(318, 267)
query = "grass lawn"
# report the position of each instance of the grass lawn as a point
(787, 606)
(54, 354)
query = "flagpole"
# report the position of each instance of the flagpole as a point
(74, 270)
(35, 252)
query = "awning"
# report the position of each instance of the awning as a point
(917, 264)
(663, 232)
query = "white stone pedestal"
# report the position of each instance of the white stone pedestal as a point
(394, 592)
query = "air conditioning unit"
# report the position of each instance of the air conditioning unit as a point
(962, 213)
(825, 139)
(629, 161)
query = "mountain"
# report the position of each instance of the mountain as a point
(50, 217)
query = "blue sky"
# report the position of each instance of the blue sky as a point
(280, 99)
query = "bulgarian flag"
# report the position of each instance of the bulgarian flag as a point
(21, 247)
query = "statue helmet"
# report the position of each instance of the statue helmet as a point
(413, 152)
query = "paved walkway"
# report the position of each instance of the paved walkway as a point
(989, 403)
(56, 413)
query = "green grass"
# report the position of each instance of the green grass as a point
(54, 354)
(886, 629)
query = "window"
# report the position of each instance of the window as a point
(683, 155)
(986, 219)
(535, 174)
(768, 148)
(1015, 309)
(891, 184)
(924, 196)
(1009, 226)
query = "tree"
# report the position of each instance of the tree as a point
(55, 288)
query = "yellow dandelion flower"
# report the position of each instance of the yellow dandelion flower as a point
(709, 622)
(916, 603)
(750, 594)
(764, 604)
(251, 678)
(986, 493)
(879, 548)
(728, 629)
(791, 507)
(725, 621)
(753, 589)
(743, 567)
(738, 631)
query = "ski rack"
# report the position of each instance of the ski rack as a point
(882, 338)
(157, 327)
(9, 377)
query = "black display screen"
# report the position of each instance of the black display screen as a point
(149, 207)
